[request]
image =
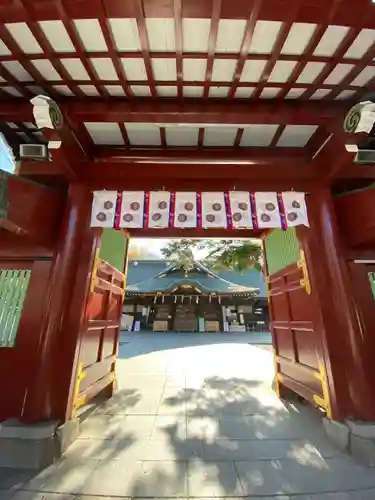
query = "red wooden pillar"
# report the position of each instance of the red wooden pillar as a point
(66, 298)
(343, 347)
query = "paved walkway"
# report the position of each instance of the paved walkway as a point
(194, 416)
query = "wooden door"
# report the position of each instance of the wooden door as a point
(296, 339)
(99, 335)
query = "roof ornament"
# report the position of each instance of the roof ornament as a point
(360, 119)
(47, 115)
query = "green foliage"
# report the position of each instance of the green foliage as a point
(180, 253)
(239, 255)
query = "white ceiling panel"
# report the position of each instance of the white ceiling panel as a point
(364, 77)
(35, 89)
(193, 91)
(361, 44)
(330, 41)
(76, 69)
(45, 68)
(270, 92)
(295, 93)
(230, 35)
(164, 69)
(298, 37)
(12, 91)
(252, 71)
(141, 90)
(24, 38)
(23, 136)
(223, 70)
(264, 37)
(194, 70)
(218, 92)
(91, 35)
(30, 125)
(219, 136)
(104, 68)
(161, 34)
(134, 69)
(17, 70)
(143, 134)
(125, 34)
(320, 93)
(195, 35)
(4, 51)
(115, 90)
(105, 133)
(345, 94)
(166, 90)
(57, 36)
(89, 90)
(63, 90)
(338, 74)
(282, 71)
(311, 72)
(244, 92)
(258, 135)
(182, 136)
(296, 136)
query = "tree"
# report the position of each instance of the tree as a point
(180, 253)
(220, 254)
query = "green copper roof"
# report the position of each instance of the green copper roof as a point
(200, 278)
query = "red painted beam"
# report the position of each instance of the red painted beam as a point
(107, 170)
(194, 233)
(173, 111)
(197, 177)
(248, 156)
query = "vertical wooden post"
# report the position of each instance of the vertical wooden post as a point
(337, 323)
(277, 385)
(66, 297)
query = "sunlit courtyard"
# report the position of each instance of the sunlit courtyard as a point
(195, 415)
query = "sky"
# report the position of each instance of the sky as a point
(145, 246)
(6, 160)
(150, 247)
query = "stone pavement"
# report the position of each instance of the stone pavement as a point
(194, 416)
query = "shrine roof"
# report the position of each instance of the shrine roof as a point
(201, 279)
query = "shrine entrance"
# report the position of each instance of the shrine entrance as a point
(184, 97)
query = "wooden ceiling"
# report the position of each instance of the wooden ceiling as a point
(260, 83)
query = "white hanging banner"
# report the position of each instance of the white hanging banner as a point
(185, 210)
(103, 208)
(267, 210)
(213, 210)
(240, 209)
(295, 209)
(158, 210)
(132, 209)
(233, 209)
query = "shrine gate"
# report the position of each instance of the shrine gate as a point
(209, 96)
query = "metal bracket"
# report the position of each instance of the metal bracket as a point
(77, 402)
(94, 271)
(305, 281)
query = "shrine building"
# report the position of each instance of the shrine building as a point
(166, 297)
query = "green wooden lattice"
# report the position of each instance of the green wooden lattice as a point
(13, 288)
(282, 249)
(113, 248)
